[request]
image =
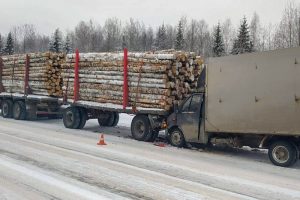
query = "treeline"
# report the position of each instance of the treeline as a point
(188, 34)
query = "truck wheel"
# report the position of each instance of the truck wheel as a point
(149, 136)
(71, 117)
(19, 110)
(116, 119)
(153, 136)
(109, 121)
(7, 107)
(140, 127)
(297, 157)
(83, 118)
(176, 138)
(282, 153)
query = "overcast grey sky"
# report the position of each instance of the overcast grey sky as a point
(65, 14)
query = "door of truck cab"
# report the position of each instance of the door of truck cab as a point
(189, 117)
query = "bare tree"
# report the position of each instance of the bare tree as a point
(266, 42)
(112, 34)
(171, 36)
(82, 36)
(96, 37)
(42, 43)
(29, 40)
(18, 37)
(228, 35)
(198, 38)
(150, 39)
(255, 31)
(286, 33)
(133, 34)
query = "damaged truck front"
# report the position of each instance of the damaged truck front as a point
(248, 100)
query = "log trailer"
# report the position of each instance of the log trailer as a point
(26, 106)
(246, 100)
(145, 126)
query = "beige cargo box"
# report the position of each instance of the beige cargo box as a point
(255, 93)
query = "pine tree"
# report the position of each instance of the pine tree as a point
(1, 45)
(179, 37)
(161, 38)
(235, 47)
(68, 45)
(9, 48)
(55, 44)
(218, 48)
(243, 43)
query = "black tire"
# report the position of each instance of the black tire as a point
(140, 127)
(83, 118)
(116, 119)
(176, 138)
(6, 109)
(154, 136)
(110, 120)
(297, 157)
(19, 110)
(149, 136)
(71, 117)
(282, 153)
(102, 121)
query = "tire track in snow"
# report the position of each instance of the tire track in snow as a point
(232, 185)
(51, 181)
(153, 173)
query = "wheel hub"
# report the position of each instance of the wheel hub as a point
(17, 110)
(5, 109)
(176, 138)
(140, 127)
(70, 117)
(280, 154)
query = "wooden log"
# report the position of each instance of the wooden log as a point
(159, 91)
(119, 102)
(119, 78)
(67, 73)
(136, 69)
(117, 82)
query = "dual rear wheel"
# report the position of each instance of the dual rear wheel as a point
(16, 110)
(7, 107)
(111, 119)
(141, 129)
(76, 117)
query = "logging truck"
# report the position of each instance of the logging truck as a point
(22, 94)
(244, 100)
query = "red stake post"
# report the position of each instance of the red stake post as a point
(26, 77)
(76, 76)
(125, 85)
(1, 71)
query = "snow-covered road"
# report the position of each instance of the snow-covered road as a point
(43, 160)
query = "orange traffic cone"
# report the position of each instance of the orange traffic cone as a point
(101, 141)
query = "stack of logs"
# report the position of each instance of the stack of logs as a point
(44, 73)
(156, 80)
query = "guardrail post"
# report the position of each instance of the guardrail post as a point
(76, 76)
(125, 76)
